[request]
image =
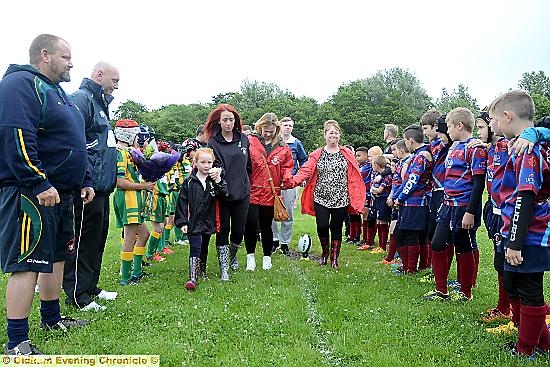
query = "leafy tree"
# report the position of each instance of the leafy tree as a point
(362, 107)
(535, 83)
(131, 110)
(542, 105)
(459, 97)
(177, 122)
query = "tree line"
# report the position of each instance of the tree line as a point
(362, 107)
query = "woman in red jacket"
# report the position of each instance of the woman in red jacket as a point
(334, 188)
(265, 143)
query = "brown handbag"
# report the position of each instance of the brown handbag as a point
(280, 214)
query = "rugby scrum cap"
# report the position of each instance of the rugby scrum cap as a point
(126, 130)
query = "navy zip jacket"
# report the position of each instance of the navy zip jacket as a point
(196, 206)
(42, 138)
(100, 140)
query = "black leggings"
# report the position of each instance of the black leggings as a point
(527, 287)
(462, 240)
(198, 245)
(232, 217)
(329, 219)
(262, 215)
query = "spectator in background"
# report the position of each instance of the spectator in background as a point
(200, 138)
(247, 130)
(390, 137)
(299, 157)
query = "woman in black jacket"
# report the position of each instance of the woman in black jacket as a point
(196, 207)
(224, 131)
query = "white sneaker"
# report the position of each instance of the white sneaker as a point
(266, 263)
(93, 307)
(106, 295)
(250, 262)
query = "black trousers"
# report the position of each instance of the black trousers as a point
(83, 266)
(329, 219)
(262, 215)
(232, 218)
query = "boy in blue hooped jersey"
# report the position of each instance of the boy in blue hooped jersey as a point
(460, 215)
(524, 195)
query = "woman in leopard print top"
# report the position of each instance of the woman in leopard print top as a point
(334, 188)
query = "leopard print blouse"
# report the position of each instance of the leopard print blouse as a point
(331, 190)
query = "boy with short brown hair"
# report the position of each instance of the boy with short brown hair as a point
(524, 194)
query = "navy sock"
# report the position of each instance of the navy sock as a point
(18, 331)
(50, 312)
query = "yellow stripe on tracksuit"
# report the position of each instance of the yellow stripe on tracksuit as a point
(24, 151)
(23, 232)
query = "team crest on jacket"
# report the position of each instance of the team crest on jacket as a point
(275, 160)
(70, 247)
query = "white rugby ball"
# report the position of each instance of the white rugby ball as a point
(304, 244)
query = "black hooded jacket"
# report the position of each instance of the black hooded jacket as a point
(234, 158)
(196, 206)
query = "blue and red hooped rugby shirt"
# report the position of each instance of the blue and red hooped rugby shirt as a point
(529, 172)
(416, 181)
(462, 164)
(497, 156)
(439, 152)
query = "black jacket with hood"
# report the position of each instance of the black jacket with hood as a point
(234, 158)
(196, 206)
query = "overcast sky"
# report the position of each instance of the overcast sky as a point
(187, 51)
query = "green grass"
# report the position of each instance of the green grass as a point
(297, 314)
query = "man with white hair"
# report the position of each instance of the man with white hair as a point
(83, 266)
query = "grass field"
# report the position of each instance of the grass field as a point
(296, 314)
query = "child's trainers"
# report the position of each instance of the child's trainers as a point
(494, 314)
(511, 347)
(428, 278)
(460, 296)
(398, 272)
(167, 251)
(157, 257)
(505, 329)
(453, 284)
(377, 250)
(435, 296)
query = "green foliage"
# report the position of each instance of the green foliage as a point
(362, 107)
(459, 97)
(535, 83)
(542, 105)
(178, 122)
(132, 110)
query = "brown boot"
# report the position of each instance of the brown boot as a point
(335, 252)
(324, 247)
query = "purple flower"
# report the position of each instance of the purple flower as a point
(154, 168)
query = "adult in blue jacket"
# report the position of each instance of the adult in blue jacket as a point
(299, 155)
(42, 163)
(83, 267)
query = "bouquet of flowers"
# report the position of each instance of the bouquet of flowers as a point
(152, 167)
